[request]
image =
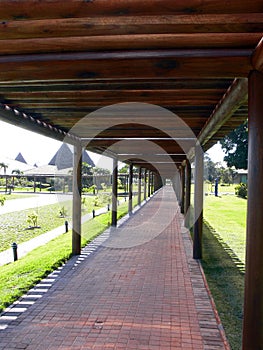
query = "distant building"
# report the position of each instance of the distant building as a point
(60, 164)
(20, 158)
(63, 159)
(241, 176)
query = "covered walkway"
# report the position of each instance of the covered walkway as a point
(137, 287)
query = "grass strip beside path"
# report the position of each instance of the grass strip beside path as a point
(227, 216)
(226, 283)
(15, 228)
(17, 278)
(224, 235)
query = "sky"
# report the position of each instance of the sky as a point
(38, 149)
(35, 148)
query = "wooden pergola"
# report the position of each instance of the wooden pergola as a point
(154, 83)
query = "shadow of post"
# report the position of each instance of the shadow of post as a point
(225, 276)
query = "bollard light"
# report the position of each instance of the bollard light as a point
(93, 213)
(14, 246)
(66, 226)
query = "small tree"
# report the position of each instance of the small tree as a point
(3, 166)
(32, 219)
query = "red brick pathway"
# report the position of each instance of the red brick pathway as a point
(140, 289)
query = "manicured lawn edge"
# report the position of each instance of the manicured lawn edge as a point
(226, 283)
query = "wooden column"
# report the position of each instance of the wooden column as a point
(187, 193)
(198, 203)
(145, 184)
(140, 186)
(114, 201)
(253, 305)
(76, 211)
(149, 183)
(155, 182)
(152, 184)
(130, 188)
(182, 188)
(177, 186)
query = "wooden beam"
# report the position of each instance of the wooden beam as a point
(115, 84)
(23, 120)
(127, 42)
(146, 64)
(110, 94)
(30, 9)
(131, 24)
(234, 97)
(257, 57)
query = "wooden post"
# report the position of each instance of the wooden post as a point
(187, 193)
(152, 183)
(182, 188)
(76, 214)
(149, 183)
(130, 188)
(155, 182)
(114, 201)
(253, 304)
(140, 186)
(198, 203)
(145, 184)
(177, 186)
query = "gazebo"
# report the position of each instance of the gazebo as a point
(153, 83)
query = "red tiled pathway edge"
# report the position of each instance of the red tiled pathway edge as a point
(140, 289)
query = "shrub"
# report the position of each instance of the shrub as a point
(241, 190)
(63, 212)
(91, 189)
(32, 219)
(2, 200)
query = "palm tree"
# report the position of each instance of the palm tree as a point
(17, 171)
(4, 166)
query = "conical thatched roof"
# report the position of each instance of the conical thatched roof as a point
(63, 158)
(20, 158)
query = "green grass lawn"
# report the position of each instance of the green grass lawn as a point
(226, 283)
(224, 240)
(227, 215)
(17, 278)
(222, 188)
(14, 226)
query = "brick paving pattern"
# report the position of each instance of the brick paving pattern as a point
(149, 294)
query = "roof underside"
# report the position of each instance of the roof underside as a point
(61, 61)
